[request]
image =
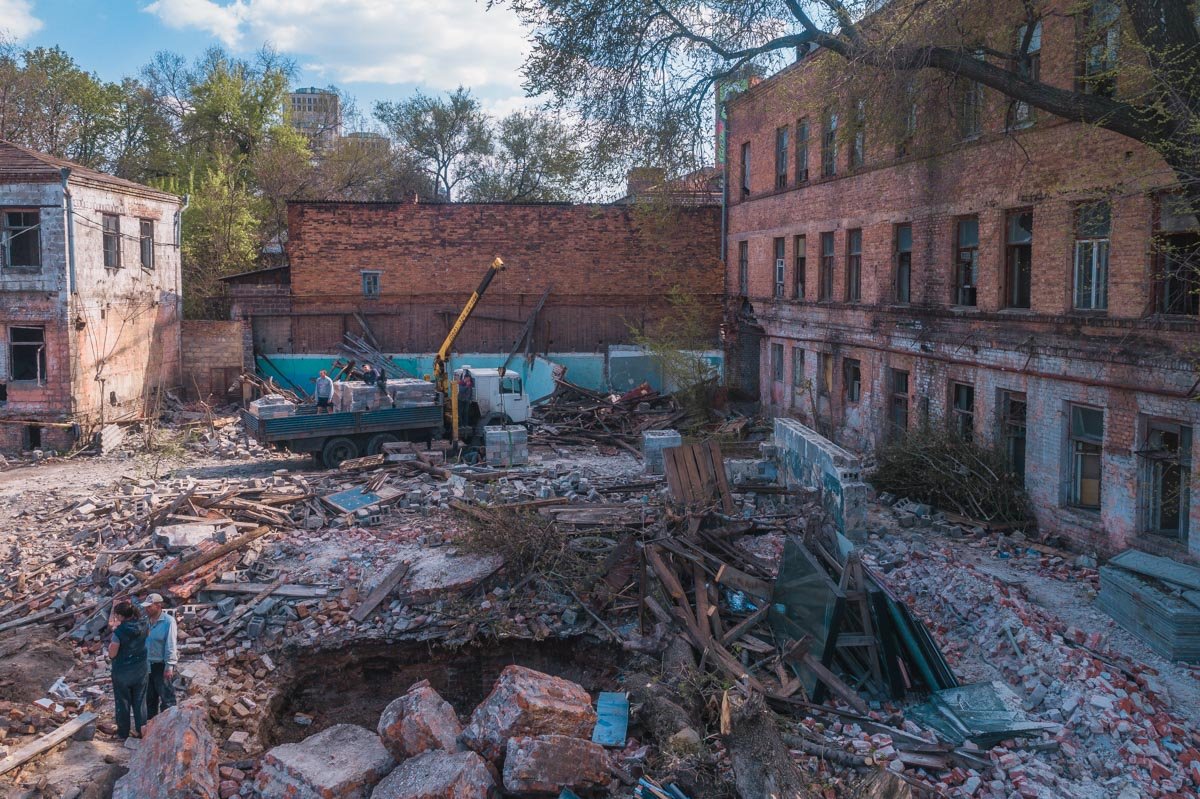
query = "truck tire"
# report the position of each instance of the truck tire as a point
(375, 444)
(336, 450)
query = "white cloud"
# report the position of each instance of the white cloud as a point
(439, 44)
(17, 19)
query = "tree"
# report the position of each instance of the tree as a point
(449, 136)
(536, 159)
(645, 68)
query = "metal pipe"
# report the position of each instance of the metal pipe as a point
(69, 206)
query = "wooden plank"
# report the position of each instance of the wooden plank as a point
(746, 624)
(718, 461)
(834, 683)
(708, 475)
(736, 578)
(47, 742)
(673, 472)
(377, 595)
(702, 606)
(695, 484)
(289, 590)
(30, 619)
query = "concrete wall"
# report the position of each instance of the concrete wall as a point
(212, 357)
(114, 340)
(1127, 360)
(809, 459)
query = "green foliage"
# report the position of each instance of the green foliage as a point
(674, 343)
(536, 159)
(449, 136)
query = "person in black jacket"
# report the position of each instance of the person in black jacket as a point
(130, 667)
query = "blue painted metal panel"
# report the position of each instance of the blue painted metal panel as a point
(612, 719)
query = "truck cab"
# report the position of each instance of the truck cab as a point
(498, 397)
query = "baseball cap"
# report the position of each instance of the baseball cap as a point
(154, 599)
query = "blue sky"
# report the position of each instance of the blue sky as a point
(374, 49)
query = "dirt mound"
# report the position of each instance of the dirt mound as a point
(30, 661)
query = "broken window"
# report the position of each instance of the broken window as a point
(746, 169)
(963, 407)
(970, 109)
(854, 265)
(1092, 224)
(1166, 478)
(797, 367)
(903, 263)
(800, 251)
(967, 260)
(1086, 455)
(777, 363)
(743, 267)
(829, 145)
(898, 404)
(825, 377)
(1101, 38)
(911, 120)
(1019, 275)
(1178, 249)
(852, 379)
(1012, 429)
(825, 286)
(1027, 64)
(27, 354)
(146, 242)
(781, 157)
(780, 267)
(111, 224)
(802, 151)
(20, 239)
(858, 145)
(370, 283)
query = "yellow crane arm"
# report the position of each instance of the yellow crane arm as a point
(440, 377)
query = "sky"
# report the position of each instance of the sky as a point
(373, 49)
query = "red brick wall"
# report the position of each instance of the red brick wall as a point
(608, 266)
(1126, 360)
(212, 354)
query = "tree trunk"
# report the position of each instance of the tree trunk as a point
(762, 765)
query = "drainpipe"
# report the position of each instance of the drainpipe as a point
(187, 200)
(70, 208)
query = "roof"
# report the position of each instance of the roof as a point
(22, 165)
(254, 273)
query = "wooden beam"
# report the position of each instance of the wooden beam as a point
(743, 626)
(47, 742)
(736, 578)
(385, 586)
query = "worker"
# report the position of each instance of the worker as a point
(130, 671)
(381, 381)
(369, 375)
(324, 392)
(162, 650)
(466, 393)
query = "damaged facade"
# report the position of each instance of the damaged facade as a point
(406, 268)
(990, 266)
(90, 299)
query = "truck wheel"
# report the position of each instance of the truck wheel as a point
(337, 450)
(375, 445)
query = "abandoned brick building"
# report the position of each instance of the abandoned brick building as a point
(975, 263)
(407, 268)
(89, 298)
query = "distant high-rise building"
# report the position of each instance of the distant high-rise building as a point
(318, 114)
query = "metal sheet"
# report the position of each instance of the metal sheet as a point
(612, 719)
(353, 499)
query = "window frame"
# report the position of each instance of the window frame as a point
(1178, 284)
(782, 146)
(744, 267)
(797, 366)
(111, 240)
(745, 168)
(802, 134)
(8, 232)
(858, 142)
(851, 380)
(1014, 291)
(971, 102)
(963, 413)
(902, 259)
(962, 290)
(1099, 77)
(39, 356)
(799, 265)
(776, 362)
(146, 244)
(779, 249)
(898, 399)
(1081, 447)
(826, 267)
(1154, 462)
(829, 148)
(824, 374)
(1021, 114)
(854, 247)
(368, 276)
(1013, 427)
(1098, 249)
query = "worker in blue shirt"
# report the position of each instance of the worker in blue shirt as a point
(162, 650)
(130, 669)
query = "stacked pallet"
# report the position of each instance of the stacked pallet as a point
(272, 406)
(408, 392)
(1156, 599)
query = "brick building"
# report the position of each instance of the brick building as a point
(989, 267)
(407, 268)
(89, 298)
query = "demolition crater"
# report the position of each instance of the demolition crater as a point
(353, 684)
